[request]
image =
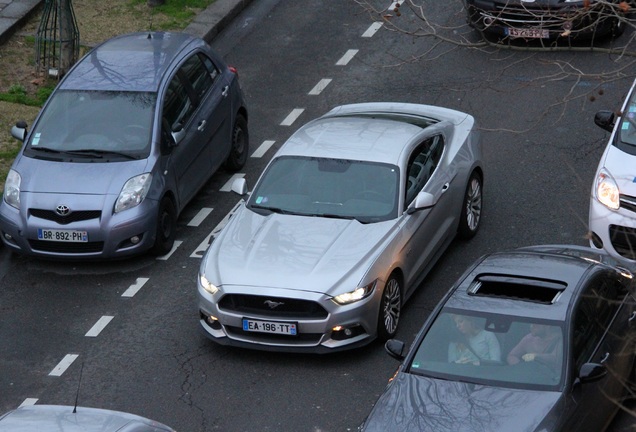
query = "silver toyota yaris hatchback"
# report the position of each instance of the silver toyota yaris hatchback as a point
(127, 138)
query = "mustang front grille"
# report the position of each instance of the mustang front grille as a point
(272, 307)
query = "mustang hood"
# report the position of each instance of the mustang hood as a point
(419, 404)
(296, 252)
(42, 176)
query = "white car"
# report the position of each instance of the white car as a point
(344, 223)
(612, 217)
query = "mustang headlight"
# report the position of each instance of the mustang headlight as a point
(133, 192)
(355, 295)
(207, 285)
(12, 189)
(607, 190)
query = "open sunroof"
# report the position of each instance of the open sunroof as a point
(515, 287)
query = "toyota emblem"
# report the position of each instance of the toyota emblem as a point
(62, 210)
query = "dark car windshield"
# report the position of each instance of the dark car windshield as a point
(492, 349)
(323, 187)
(86, 123)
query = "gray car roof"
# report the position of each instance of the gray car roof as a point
(130, 62)
(542, 266)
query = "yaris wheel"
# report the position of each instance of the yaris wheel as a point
(240, 145)
(166, 228)
(390, 308)
(472, 207)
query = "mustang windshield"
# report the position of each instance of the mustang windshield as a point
(628, 123)
(323, 187)
(492, 349)
(102, 121)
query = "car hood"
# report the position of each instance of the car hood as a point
(294, 252)
(622, 166)
(43, 176)
(419, 404)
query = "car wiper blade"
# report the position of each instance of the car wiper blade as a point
(46, 149)
(271, 209)
(99, 153)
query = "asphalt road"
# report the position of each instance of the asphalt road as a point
(150, 357)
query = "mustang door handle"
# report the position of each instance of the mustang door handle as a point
(201, 126)
(226, 91)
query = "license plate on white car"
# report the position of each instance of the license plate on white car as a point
(530, 33)
(62, 235)
(273, 327)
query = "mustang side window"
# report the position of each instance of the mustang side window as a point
(421, 166)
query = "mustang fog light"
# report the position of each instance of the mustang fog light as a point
(346, 332)
(211, 320)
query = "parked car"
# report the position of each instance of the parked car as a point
(612, 215)
(59, 418)
(547, 19)
(535, 339)
(343, 225)
(126, 139)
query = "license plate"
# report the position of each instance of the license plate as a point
(273, 327)
(530, 33)
(62, 235)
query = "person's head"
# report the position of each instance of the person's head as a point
(539, 330)
(466, 325)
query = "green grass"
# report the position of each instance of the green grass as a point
(180, 12)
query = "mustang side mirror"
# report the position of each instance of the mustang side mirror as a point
(239, 186)
(423, 200)
(395, 348)
(591, 372)
(605, 120)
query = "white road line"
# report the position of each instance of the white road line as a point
(133, 289)
(200, 217)
(200, 250)
(176, 245)
(63, 365)
(291, 118)
(395, 4)
(346, 58)
(29, 402)
(99, 326)
(372, 29)
(262, 149)
(227, 187)
(322, 84)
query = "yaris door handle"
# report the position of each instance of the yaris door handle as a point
(632, 316)
(445, 187)
(201, 126)
(605, 357)
(226, 91)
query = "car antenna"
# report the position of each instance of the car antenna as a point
(79, 383)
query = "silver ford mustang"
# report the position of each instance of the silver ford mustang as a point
(341, 228)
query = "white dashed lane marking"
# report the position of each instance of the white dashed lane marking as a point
(63, 365)
(200, 250)
(373, 28)
(200, 217)
(176, 245)
(134, 288)
(99, 326)
(227, 187)
(29, 402)
(262, 149)
(346, 58)
(318, 88)
(291, 118)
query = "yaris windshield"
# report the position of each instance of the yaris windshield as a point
(492, 349)
(322, 187)
(94, 123)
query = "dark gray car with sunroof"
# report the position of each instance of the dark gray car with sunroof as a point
(124, 142)
(535, 339)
